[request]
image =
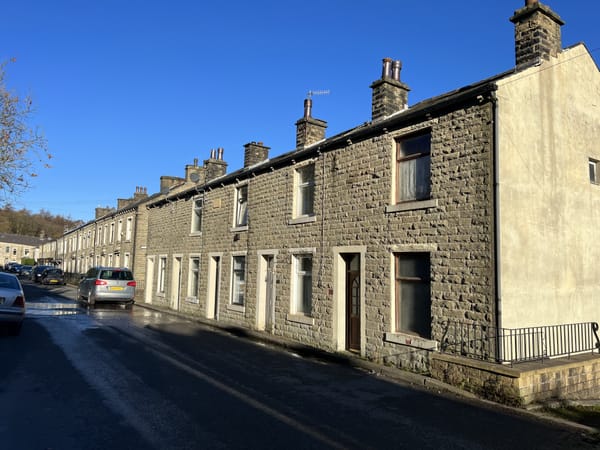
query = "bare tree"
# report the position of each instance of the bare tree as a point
(20, 143)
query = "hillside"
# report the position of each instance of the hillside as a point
(41, 224)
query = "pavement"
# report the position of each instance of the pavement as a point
(393, 374)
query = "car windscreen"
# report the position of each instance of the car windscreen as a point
(9, 282)
(116, 275)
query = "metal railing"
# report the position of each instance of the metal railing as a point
(515, 345)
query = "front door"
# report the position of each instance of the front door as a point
(352, 301)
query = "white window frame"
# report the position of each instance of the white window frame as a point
(161, 275)
(304, 197)
(240, 212)
(128, 228)
(299, 279)
(193, 276)
(197, 210)
(238, 282)
(593, 166)
(119, 230)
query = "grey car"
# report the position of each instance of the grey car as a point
(12, 303)
(107, 284)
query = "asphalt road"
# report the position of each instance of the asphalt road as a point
(113, 378)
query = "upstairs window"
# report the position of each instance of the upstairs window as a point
(413, 168)
(305, 191)
(197, 215)
(594, 175)
(241, 206)
(128, 229)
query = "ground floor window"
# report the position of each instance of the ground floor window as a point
(162, 268)
(302, 294)
(194, 276)
(413, 293)
(238, 280)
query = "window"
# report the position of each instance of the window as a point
(413, 294)
(112, 233)
(305, 190)
(162, 269)
(302, 295)
(241, 206)
(197, 215)
(194, 277)
(126, 260)
(128, 228)
(413, 168)
(119, 230)
(594, 176)
(238, 281)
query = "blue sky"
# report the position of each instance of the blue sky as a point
(129, 90)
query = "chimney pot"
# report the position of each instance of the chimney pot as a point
(386, 70)
(396, 66)
(307, 108)
(220, 154)
(530, 2)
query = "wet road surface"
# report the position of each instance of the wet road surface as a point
(121, 378)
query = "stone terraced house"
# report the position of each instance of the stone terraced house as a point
(472, 212)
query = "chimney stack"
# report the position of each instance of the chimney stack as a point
(215, 167)
(254, 153)
(308, 129)
(390, 95)
(537, 34)
(194, 173)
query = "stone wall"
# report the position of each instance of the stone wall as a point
(574, 378)
(352, 210)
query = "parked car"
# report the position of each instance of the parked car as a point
(52, 276)
(36, 272)
(107, 284)
(13, 267)
(12, 303)
(25, 271)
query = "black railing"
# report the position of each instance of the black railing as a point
(514, 345)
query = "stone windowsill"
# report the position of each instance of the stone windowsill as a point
(301, 220)
(196, 233)
(238, 229)
(300, 318)
(236, 308)
(411, 206)
(411, 340)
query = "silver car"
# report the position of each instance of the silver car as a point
(107, 284)
(12, 303)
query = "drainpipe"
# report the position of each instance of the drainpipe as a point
(497, 236)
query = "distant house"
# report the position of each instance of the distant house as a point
(116, 237)
(15, 247)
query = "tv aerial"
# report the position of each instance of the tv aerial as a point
(318, 92)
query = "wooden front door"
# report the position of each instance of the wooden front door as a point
(352, 301)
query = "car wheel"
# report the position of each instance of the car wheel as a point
(90, 299)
